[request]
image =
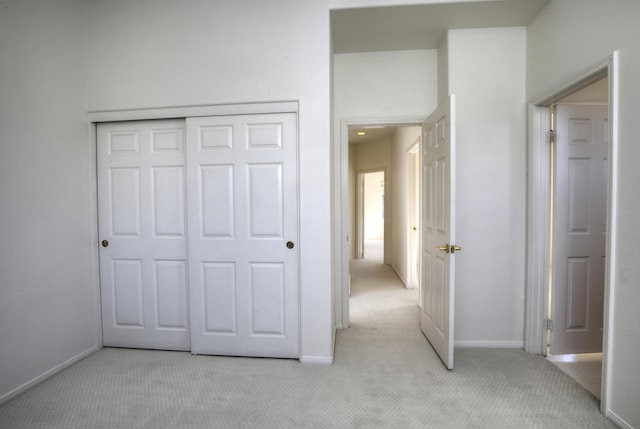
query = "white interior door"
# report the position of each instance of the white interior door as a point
(438, 238)
(579, 228)
(143, 252)
(243, 235)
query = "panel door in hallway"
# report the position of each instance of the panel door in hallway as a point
(142, 229)
(243, 235)
(438, 235)
(579, 228)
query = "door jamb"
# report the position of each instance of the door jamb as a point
(538, 214)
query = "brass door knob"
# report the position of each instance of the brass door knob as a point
(444, 248)
(453, 248)
(290, 245)
(105, 243)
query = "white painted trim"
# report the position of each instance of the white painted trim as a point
(93, 213)
(341, 220)
(193, 111)
(582, 80)
(333, 342)
(48, 374)
(612, 234)
(583, 103)
(606, 67)
(316, 360)
(489, 344)
(538, 197)
(619, 421)
(404, 283)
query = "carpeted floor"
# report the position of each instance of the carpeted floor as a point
(385, 375)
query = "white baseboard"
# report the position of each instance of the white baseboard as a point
(489, 344)
(395, 270)
(316, 360)
(617, 420)
(53, 371)
(333, 343)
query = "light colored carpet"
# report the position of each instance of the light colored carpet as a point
(385, 376)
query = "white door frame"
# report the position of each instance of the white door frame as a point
(341, 209)
(538, 228)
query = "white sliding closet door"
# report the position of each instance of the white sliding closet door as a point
(243, 235)
(142, 227)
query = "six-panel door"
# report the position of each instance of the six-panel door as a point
(437, 283)
(579, 228)
(142, 227)
(243, 252)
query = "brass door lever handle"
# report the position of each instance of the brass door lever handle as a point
(444, 248)
(449, 248)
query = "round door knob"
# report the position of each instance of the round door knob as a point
(290, 244)
(105, 243)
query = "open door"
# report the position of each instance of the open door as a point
(579, 228)
(438, 238)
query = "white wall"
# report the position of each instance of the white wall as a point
(487, 77)
(384, 84)
(443, 69)
(153, 53)
(403, 139)
(566, 38)
(48, 291)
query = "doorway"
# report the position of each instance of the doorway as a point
(371, 222)
(367, 154)
(540, 243)
(578, 233)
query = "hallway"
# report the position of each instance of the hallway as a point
(378, 297)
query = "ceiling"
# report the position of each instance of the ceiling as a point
(422, 26)
(373, 133)
(597, 92)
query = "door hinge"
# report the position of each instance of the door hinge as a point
(548, 324)
(551, 136)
